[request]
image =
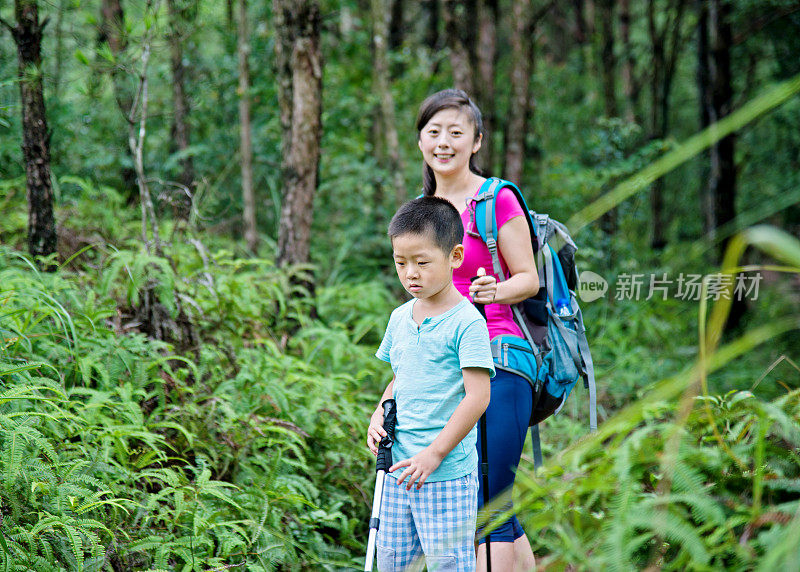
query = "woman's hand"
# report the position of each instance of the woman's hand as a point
(376, 432)
(483, 289)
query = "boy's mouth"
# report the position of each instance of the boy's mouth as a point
(414, 287)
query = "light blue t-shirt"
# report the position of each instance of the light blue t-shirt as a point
(429, 383)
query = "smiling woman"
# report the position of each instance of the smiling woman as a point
(449, 141)
(450, 131)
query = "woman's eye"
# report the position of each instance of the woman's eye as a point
(422, 263)
(455, 133)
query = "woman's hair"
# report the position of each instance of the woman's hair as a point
(433, 104)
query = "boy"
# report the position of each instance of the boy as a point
(438, 347)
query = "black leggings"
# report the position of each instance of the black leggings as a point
(506, 426)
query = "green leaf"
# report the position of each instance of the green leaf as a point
(81, 57)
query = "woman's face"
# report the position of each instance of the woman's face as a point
(447, 142)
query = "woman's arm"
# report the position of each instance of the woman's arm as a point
(514, 244)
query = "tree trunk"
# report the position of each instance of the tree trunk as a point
(388, 122)
(397, 28)
(245, 134)
(607, 57)
(112, 32)
(704, 91)
(581, 33)
(658, 238)
(299, 64)
(59, 59)
(230, 18)
(628, 82)
(486, 59)
(584, 29)
(112, 27)
(396, 25)
(432, 28)
(460, 59)
(178, 22)
(608, 73)
(521, 64)
(560, 34)
(526, 21)
(665, 47)
(722, 180)
(27, 33)
(136, 140)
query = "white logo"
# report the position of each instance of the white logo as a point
(592, 286)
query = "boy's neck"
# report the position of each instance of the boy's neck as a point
(437, 304)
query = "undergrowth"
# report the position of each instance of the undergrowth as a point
(118, 451)
(242, 445)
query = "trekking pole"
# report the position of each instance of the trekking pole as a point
(484, 454)
(382, 467)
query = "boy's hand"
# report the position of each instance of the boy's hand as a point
(420, 467)
(376, 432)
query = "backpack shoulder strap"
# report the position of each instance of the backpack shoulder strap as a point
(586, 356)
(486, 220)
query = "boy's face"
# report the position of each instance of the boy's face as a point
(423, 268)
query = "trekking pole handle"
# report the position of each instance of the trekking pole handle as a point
(481, 307)
(385, 446)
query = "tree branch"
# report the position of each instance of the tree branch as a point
(675, 39)
(541, 13)
(11, 28)
(765, 21)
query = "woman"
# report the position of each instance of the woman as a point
(450, 131)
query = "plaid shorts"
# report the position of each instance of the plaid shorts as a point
(437, 520)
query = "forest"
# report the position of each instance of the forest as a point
(195, 273)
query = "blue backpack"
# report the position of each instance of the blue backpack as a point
(556, 353)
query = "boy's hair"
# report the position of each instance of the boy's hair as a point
(429, 215)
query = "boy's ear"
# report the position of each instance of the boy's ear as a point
(457, 256)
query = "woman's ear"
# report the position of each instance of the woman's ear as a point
(477, 144)
(457, 256)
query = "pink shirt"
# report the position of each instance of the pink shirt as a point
(476, 255)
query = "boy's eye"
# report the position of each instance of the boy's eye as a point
(399, 263)
(422, 263)
(455, 133)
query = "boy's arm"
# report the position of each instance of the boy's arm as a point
(461, 422)
(376, 432)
